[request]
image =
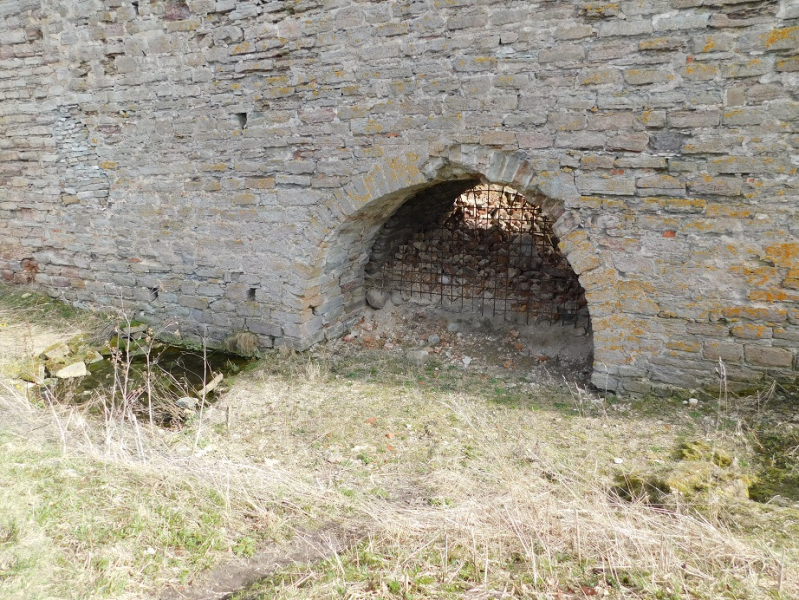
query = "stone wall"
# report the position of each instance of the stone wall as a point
(222, 165)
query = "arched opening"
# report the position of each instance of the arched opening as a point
(484, 256)
(491, 251)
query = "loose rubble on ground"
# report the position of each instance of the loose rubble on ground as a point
(425, 333)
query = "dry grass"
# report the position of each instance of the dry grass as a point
(471, 497)
(453, 483)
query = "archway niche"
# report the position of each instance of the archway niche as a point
(477, 251)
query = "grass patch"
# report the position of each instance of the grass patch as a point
(409, 482)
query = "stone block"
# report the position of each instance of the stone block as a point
(263, 327)
(753, 67)
(646, 76)
(562, 54)
(573, 32)
(581, 140)
(714, 330)
(625, 28)
(715, 186)
(766, 356)
(694, 118)
(751, 331)
(748, 164)
(711, 145)
(566, 121)
(787, 65)
(700, 71)
(727, 351)
(744, 116)
(680, 21)
(613, 185)
(667, 141)
(600, 76)
(661, 43)
(630, 141)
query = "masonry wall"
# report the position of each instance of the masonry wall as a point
(219, 166)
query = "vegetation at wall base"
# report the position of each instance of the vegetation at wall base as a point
(347, 472)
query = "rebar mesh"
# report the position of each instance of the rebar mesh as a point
(493, 253)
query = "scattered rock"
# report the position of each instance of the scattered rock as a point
(77, 369)
(187, 403)
(34, 373)
(693, 402)
(433, 339)
(396, 298)
(134, 329)
(56, 351)
(417, 357)
(211, 385)
(453, 327)
(466, 360)
(92, 356)
(618, 461)
(376, 298)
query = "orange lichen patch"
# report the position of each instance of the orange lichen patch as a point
(619, 328)
(108, 165)
(720, 210)
(757, 275)
(703, 225)
(661, 43)
(780, 35)
(753, 313)
(792, 280)
(701, 71)
(770, 295)
(599, 278)
(599, 77)
(784, 255)
(599, 9)
(684, 346)
(751, 331)
(635, 288)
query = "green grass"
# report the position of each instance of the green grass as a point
(101, 524)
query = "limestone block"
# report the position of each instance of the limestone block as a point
(765, 356)
(73, 370)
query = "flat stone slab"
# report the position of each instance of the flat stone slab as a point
(57, 351)
(77, 369)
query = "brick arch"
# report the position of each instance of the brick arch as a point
(357, 213)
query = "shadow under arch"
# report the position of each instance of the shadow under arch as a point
(355, 215)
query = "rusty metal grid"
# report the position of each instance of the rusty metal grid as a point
(494, 253)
